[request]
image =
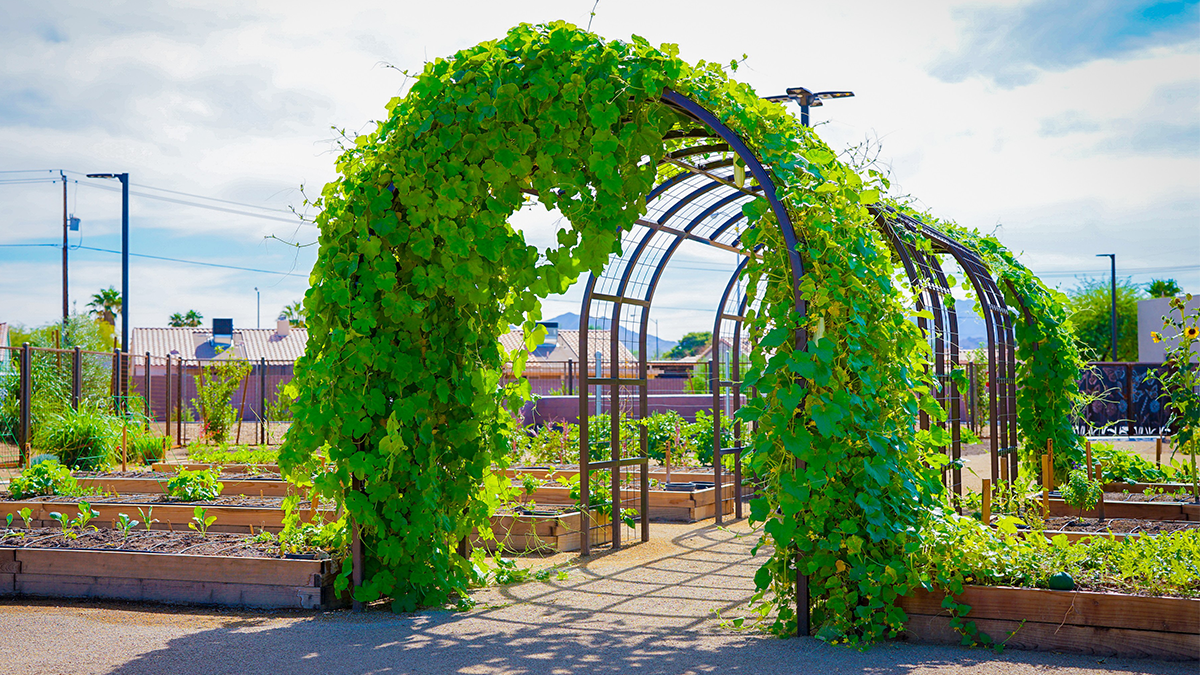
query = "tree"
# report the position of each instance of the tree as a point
(294, 313)
(106, 304)
(1090, 308)
(1163, 288)
(689, 345)
(189, 320)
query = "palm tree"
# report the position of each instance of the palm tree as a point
(189, 320)
(1164, 288)
(294, 313)
(106, 304)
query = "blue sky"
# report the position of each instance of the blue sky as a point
(1068, 128)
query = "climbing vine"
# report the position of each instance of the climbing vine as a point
(400, 415)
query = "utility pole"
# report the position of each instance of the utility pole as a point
(66, 308)
(1112, 257)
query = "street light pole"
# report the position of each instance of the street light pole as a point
(66, 309)
(808, 99)
(1113, 338)
(124, 178)
(257, 308)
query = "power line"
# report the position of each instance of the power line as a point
(195, 196)
(157, 257)
(297, 220)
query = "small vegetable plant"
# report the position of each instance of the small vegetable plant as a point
(146, 517)
(125, 524)
(26, 515)
(195, 486)
(86, 514)
(1081, 492)
(64, 522)
(201, 521)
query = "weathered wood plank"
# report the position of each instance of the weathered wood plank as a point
(1065, 638)
(1124, 509)
(1105, 610)
(128, 486)
(167, 591)
(162, 566)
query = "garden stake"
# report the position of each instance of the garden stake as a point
(1100, 507)
(1045, 486)
(1088, 450)
(1050, 453)
(987, 501)
(1158, 451)
(124, 441)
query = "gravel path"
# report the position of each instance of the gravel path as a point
(646, 609)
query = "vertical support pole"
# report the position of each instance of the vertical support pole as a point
(570, 377)
(1050, 454)
(802, 601)
(614, 436)
(179, 404)
(1045, 486)
(76, 377)
(356, 557)
(645, 491)
(1087, 449)
(148, 394)
(1157, 451)
(1004, 478)
(262, 400)
(714, 379)
(167, 402)
(26, 406)
(987, 501)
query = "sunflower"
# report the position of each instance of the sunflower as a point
(1192, 332)
(1157, 337)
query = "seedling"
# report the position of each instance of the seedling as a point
(8, 520)
(86, 514)
(26, 515)
(200, 523)
(125, 524)
(62, 520)
(146, 517)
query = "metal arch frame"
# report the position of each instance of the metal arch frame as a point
(766, 186)
(926, 276)
(735, 383)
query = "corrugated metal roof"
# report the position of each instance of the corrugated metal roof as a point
(567, 348)
(196, 343)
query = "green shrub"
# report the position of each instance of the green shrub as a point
(147, 448)
(195, 486)
(1080, 491)
(87, 438)
(47, 478)
(215, 386)
(1125, 466)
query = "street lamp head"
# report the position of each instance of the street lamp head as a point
(102, 175)
(1106, 255)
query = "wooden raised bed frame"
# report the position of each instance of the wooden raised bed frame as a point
(168, 577)
(1106, 624)
(129, 486)
(237, 519)
(542, 534)
(1129, 509)
(665, 505)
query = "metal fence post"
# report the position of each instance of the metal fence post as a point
(570, 377)
(262, 399)
(76, 377)
(167, 396)
(26, 411)
(148, 387)
(179, 404)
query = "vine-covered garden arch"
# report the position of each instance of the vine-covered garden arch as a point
(401, 416)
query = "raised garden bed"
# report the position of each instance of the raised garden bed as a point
(225, 468)
(155, 482)
(239, 514)
(46, 564)
(686, 506)
(1141, 507)
(1118, 528)
(545, 530)
(1104, 624)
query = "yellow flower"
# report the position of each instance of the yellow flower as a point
(1192, 332)
(1157, 337)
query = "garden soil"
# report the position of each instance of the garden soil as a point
(650, 608)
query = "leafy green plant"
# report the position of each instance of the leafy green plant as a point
(125, 524)
(146, 517)
(215, 386)
(279, 409)
(1081, 492)
(8, 518)
(201, 521)
(88, 437)
(201, 485)
(1180, 381)
(26, 515)
(44, 479)
(225, 454)
(64, 522)
(85, 516)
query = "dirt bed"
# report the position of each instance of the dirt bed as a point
(153, 541)
(230, 500)
(168, 475)
(1119, 525)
